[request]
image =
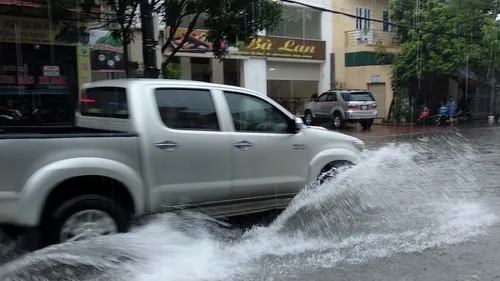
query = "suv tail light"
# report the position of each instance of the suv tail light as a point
(373, 105)
(353, 106)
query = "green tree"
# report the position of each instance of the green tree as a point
(228, 22)
(438, 37)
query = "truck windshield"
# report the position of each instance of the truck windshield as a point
(108, 102)
(360, 96)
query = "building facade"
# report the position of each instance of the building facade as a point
(288, 64)
(356, 40)
(43, 63)
(357, 66)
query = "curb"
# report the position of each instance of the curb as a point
(410, 134)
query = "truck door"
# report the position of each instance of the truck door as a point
(189, 154)
(267, 159)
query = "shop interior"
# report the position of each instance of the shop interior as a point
(292, 95)
(38, 84)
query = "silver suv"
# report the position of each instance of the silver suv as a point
(341, 106)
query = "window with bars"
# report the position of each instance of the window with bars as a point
(363, 16)
(386, 25)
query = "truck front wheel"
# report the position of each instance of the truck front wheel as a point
(84, 217)
(331, 170)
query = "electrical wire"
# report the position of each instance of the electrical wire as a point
(375, 20)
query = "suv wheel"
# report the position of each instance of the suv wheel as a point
(367, 124)
(308, 118)
(337, 121)
(84, 217)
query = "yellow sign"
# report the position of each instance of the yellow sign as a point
(42, 31)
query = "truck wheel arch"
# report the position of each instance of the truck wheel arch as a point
(326, 157)
(57, 175)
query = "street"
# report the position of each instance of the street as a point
(421, 206)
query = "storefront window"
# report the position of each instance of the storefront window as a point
(40, 82)
(292, 94)
(201, 69)
(232, 72)
(299, 22)
(199, 24)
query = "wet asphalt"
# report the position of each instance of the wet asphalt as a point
(476, 259)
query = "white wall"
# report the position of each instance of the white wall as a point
(326, 35)
(254, 75)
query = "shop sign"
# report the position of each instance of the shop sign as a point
(262, 46)
(375, 78)
(106, 52)
(42, 31)
(51, 70)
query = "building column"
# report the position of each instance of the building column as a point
(254, 75)
(185, 63)
(217, 71)
(325, 82)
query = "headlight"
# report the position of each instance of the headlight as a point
(359, 144)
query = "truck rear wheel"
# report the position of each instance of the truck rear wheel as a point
(84, 217)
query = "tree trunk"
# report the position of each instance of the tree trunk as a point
(148, 40)
(125, 58)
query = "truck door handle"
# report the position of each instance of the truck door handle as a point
(243, 145)
(167, 146)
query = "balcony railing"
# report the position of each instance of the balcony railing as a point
(372, 37)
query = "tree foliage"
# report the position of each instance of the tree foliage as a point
(438, 37)
(228, 21)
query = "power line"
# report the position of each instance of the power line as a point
(376, 20)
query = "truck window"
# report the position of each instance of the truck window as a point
(251, 114)
(104, 102)
(187, 109)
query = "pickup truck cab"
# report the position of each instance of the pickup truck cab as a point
(341, 106)
(143, 146)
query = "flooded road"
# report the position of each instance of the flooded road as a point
(423, 207)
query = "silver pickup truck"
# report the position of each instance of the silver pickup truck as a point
(145, 146)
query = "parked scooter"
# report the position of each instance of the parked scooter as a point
(423, 118)
(16, 114)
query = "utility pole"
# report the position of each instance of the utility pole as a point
(148, 40)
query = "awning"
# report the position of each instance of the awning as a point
(464, 73)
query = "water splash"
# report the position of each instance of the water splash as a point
(400, 198)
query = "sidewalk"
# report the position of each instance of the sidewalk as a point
(387, 131)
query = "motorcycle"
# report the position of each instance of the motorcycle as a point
(423, 117)
(19, 115)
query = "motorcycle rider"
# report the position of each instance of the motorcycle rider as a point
(450, 105)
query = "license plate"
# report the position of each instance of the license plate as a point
(364, 107)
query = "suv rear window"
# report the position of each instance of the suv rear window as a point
(358, 96)
(104, 102)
